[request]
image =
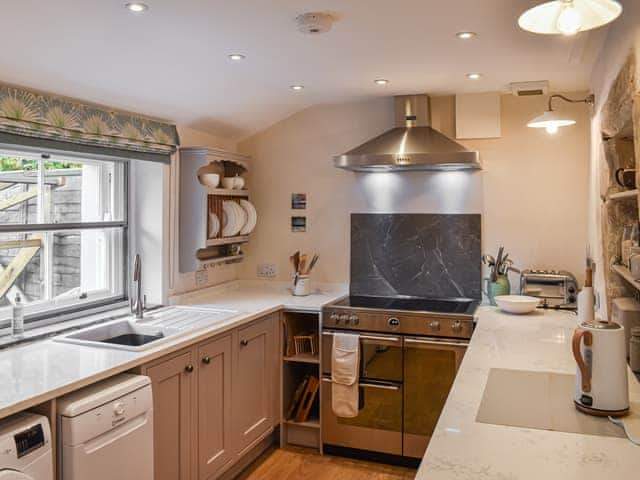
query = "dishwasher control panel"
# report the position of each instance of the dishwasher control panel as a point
(110, 415)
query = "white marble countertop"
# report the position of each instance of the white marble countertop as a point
(38, 371)
(463, 449)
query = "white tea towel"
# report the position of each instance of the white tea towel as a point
(345, 364)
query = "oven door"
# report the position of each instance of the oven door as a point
(380, 355)
(430, 367)
(378, 425)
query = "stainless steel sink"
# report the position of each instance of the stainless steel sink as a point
(160, 326)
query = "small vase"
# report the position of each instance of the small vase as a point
(500, 287)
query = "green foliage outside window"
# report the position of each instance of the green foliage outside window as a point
(8, 164)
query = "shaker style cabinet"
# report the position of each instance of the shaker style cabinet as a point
(173, 385)
(214, 401)
(215, 448)
(252, 383)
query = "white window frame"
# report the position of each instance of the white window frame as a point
(51, 310)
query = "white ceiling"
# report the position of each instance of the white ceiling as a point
(171, 62)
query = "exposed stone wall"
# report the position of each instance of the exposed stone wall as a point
(66, 246)
(620, 129)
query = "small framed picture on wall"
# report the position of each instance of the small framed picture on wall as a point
(298, 224)
(298, 201)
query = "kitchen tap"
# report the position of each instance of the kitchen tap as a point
(139, 304)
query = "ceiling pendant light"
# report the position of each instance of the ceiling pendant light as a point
(551, 120)
(568, 17)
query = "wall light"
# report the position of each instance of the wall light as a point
(568, 17)
(552, 120)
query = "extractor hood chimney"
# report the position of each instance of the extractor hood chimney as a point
(412, 145)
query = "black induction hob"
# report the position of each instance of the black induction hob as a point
(411, 304)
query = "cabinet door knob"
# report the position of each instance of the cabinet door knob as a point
(244, 343)
(206, 360)
(188, 368)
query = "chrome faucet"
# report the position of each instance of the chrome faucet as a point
(139, 304)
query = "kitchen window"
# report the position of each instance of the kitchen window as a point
(63, 233)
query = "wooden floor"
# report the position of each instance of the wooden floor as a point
(303, 464)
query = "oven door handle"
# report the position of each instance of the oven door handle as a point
(383, 386)
(435, 343)
(372, 337)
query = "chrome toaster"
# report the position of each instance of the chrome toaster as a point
(553, 287)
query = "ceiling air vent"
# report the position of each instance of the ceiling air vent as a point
(528, 89)
(314, 23)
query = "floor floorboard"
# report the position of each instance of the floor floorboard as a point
(303, 464)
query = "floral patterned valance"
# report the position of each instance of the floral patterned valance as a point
(28, 113)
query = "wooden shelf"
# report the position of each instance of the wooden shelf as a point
(228, 192)
(310, 423)
(303, 358)
(626, 274)
(624, 195)
(229, 259)
(214, 242)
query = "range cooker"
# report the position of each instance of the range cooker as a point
(410, 351)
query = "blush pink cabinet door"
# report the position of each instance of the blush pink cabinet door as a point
(173, 386)
(253, 383)
(214, 406)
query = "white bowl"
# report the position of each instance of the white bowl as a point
(228, 182)
(210, 179)
(517, 303)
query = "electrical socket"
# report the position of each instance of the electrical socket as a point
(202, 278)
(266, 270)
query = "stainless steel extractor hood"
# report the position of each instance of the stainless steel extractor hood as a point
(412, 145)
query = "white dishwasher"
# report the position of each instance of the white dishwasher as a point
(106, 431)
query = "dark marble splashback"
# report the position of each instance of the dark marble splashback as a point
(425, 255)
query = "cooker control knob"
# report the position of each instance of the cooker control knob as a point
(393, 322)
(118, 409)
(354, 319)
(344, 318)
(334, 317)
(434, 325)
(457, 326)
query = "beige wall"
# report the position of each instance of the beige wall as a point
(532, 192)
(623, 36)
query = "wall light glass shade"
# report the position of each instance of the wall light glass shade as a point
(568, 17)
(551, 121)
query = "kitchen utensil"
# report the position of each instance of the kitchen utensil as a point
(601, 376)
(494, 272)
(228, 182)
(238, 182)
(312, 264)
(625, 311)
(626, 177)
(519, 304)
(303, 263)
(252, 217)
(214, 225)
(500, 286)
(211, 180)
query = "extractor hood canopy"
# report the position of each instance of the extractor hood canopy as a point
(412, 145)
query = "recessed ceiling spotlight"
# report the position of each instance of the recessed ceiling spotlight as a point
(466, 35)
(136, 7)
(474, 76)
(236, 57)
(381, 81)
(297, 88)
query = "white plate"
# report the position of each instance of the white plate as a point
(214, 225)
(252, 217)
(517, 303)
(242, 215)
(234, 218)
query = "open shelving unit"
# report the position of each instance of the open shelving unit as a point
(295, 366)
